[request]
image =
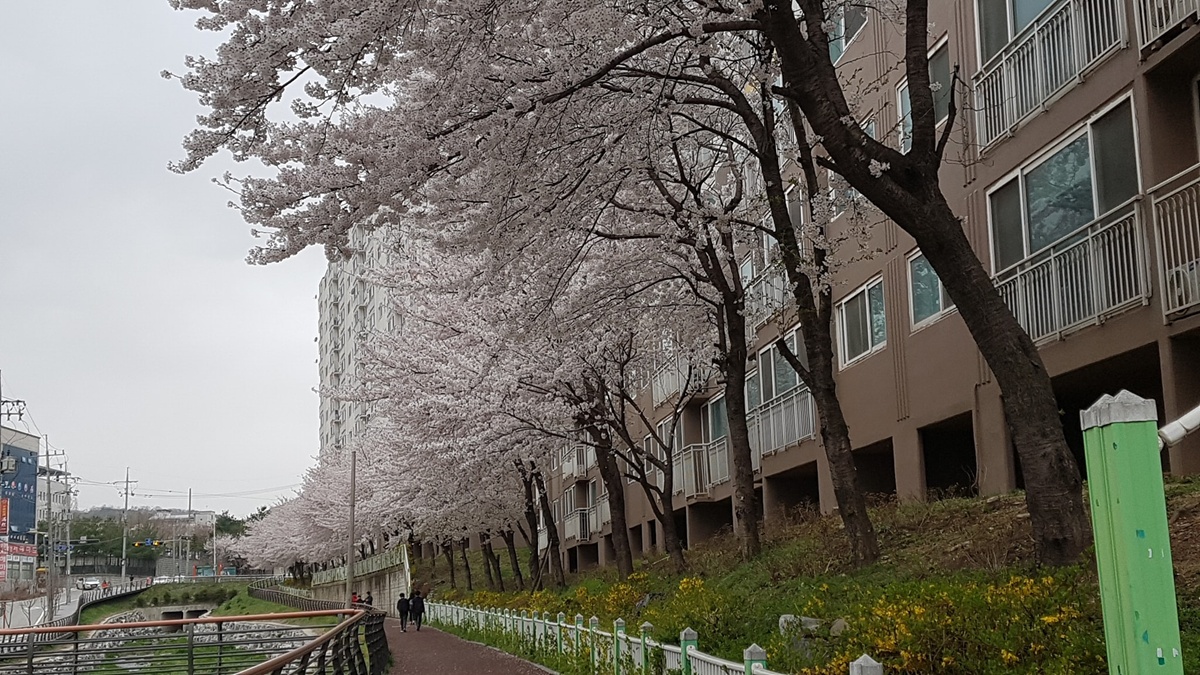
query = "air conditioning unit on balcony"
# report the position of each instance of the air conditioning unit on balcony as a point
(1183, 284)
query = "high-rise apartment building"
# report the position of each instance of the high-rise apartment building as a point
(1075, 165)
(351, 307)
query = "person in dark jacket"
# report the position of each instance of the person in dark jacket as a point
(402, 609)
(416, 609)
(370, 599)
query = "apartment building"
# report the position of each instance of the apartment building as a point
(1075, 165)
(351, 307)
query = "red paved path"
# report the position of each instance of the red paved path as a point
(432, 651)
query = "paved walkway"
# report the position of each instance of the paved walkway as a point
(432, 651)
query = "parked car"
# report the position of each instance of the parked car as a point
(87, 584)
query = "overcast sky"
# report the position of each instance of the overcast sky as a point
(129, 321)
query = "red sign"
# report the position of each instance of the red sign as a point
(4, 559)
(27, 550)
(4, 517)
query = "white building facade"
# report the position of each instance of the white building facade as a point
(352, 306)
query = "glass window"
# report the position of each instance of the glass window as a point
(863, 322)
(753, 391)
(715, 420)
(928, 297)
(785, 376)
(848, 21)
(1051, 199)
(942, 85)
(1001, 20)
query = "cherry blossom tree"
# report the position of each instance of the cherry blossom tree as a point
(471, 86)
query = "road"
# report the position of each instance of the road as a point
(25, 613)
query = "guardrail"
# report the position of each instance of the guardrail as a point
(371, 649)
(614, 651)
(1156, 18)
(1176, 204)
(233, 645)
(1049, 55)
(1079, 281)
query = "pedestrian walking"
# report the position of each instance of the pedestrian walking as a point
(370, 599)
(402, 609)
(416, 609)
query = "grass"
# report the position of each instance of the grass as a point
(956, 591)
(243, 604)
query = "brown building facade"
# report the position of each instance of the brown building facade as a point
(1075, 165)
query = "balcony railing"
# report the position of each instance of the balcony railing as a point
(577, 459)
(1080, 281)
(717, 453)
(605, 511)
(543, 539)
(782, 421)
(1156, 18)
(1177, 230)
(578, 525)
(691, 471)
(1047, 56)
(764, 297)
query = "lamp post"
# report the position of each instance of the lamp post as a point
(350, 536)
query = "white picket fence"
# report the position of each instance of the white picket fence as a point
(614, 652)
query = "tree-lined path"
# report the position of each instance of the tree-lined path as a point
(432, 651)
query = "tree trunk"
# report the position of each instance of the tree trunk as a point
(816, 321)
(484, 545)
(615, 484)
(495, 562)
(510, 544)
(745, 500)
(556, 568)
(531, 522)
(448, 552)
(906, 188)
(462, 548)
(664, 512)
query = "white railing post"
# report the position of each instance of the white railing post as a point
(866, 665)
(594, 630)
(618, 635)
(558, 628)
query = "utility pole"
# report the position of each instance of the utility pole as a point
(11, 408)
(125, 527)
(214, 545)
(191, 527)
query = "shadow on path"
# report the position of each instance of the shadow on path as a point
(432, 651)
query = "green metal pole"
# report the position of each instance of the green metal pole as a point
(1133, 546)
(618, 635)
(688, 640)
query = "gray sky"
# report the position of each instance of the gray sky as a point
(129, 321)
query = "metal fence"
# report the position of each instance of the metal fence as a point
(236, 645)
(1082, 279)
(614, 651)
(1156, 18)
(1177, 229)
(1047, 56)
(364, 646)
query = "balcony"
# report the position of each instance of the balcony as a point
(578, 525)
(543, 539)
(1081, 280)
(1176, 207)
(605, 510)
(783, 421)
(577, 459)
(1156, 18)
(1048, 56)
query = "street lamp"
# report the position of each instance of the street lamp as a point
(350, 536)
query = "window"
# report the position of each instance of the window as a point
(1086, 176)
(1001, 20)
(942, 85)
(848, 21)
(676, 439)
(927, 297)
(775, 376)
(715, 419)
(862, 322)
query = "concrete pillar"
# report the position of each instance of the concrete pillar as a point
(993, 447)
(908, 461)
(1179, 360)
